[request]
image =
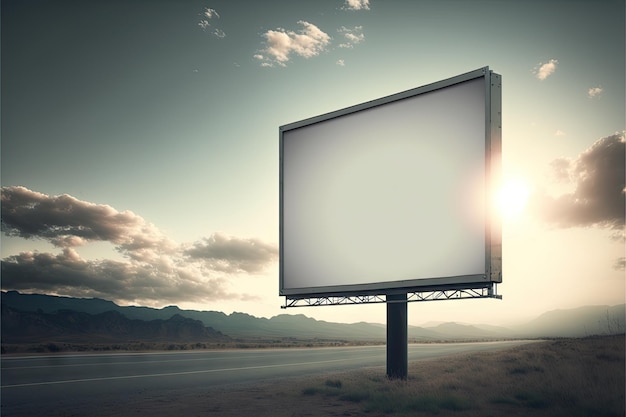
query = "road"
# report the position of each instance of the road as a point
(38, 385)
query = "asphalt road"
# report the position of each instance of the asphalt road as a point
(38, 385)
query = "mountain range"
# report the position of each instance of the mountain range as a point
(108, 327)
(47, 314)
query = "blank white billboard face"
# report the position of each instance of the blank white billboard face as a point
(387, 196)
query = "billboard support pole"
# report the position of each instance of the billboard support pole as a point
(397, 336)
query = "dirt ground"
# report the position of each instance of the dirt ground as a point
(282, 398)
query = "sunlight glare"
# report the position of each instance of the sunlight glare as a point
(512, 198)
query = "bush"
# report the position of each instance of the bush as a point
(333, 383)
(52, 347)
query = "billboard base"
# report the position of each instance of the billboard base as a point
(397, 336)
(488, 290)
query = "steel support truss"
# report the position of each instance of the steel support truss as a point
(489, 291)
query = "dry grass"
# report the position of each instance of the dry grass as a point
(162, 346)
(570, 377)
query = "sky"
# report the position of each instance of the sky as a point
(139, 141)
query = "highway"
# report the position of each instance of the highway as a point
(47, 385)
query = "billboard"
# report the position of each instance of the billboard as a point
(395, 194)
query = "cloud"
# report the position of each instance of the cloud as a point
(357, 5)
(219, 33)
(310, 41)
(594, 92)
(618, 236)
(341, 62)
(66, 221)
(598, 198)
(620, 264)
(157, 271)
(559, 132)
(211, 13)
(205, 23)
(128, 282)
(561, 168)
(232, 254)
(352, 36)
(543, 71)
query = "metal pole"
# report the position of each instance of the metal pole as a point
(397, 336)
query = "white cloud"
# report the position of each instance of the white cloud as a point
(210, 14)
(594, 92)
(559, 132)
(341, 63)
(543, 71)
(310, 41)
(352, 36)
(204, 24)
(357, 5)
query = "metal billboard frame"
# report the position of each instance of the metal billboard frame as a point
(468, 286)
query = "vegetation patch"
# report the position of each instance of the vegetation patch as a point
(533, 399)
(455, 403)
(355, 396)
(333, 383)
(423, 404)
(310, 391)
(564, 377)
(523, 370)
(503, 400)
(387, 396)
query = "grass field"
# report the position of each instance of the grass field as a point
(568, 377)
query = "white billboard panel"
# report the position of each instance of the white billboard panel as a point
(394, 193)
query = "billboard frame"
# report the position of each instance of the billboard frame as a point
(493, 243)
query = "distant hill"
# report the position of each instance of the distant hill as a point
(577, 322)
(51, 304)
(238, 325)
(466, 331)
(73, 326)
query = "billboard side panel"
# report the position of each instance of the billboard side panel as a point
(494, 174)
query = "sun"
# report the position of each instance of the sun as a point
(512, 198)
